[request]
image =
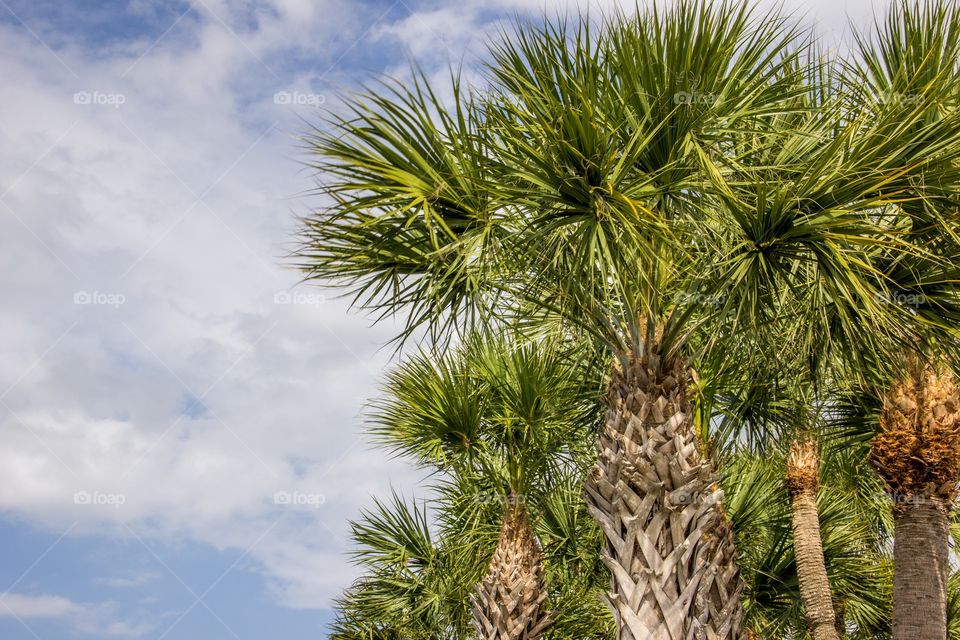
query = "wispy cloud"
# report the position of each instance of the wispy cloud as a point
(90, 619)
(28, 607)
(128, 582)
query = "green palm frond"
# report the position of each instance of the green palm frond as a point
(433, 410)
(408, 218)
(410, 578)
(511, 409)
(395, 535)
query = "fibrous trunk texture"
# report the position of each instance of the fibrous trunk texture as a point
(921, 539)
(917, 452)
(509, 603)
(803, 467)
(669, 545)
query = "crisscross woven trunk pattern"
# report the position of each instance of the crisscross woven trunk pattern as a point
(509, 603)
(669, 544)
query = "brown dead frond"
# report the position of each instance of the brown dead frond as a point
(803, 466)
(917, 451)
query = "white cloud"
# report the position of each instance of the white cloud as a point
(438, 31)
(128, 582)
(28, 607)
(179, 397)
(92, 619)
(123, 629)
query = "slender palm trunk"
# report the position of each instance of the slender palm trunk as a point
(803, 467)
(509, 603)
(917, 452)
(669, 545)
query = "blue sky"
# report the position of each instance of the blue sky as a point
(181, 423)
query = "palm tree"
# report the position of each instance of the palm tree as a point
(857, 412)
(803, 471)
(444, 212)
(917, 452)
(911, 62)
(666, 185)
(505, 417)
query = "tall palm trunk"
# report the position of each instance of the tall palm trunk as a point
(656, 498)
(508, 604)
(803, 468)
(917, 452)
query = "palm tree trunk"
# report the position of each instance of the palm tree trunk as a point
(917, 452)
(803, 466)
(921, 535)
(508, 604)
(669, 545)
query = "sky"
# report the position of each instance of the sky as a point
(181, 420)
